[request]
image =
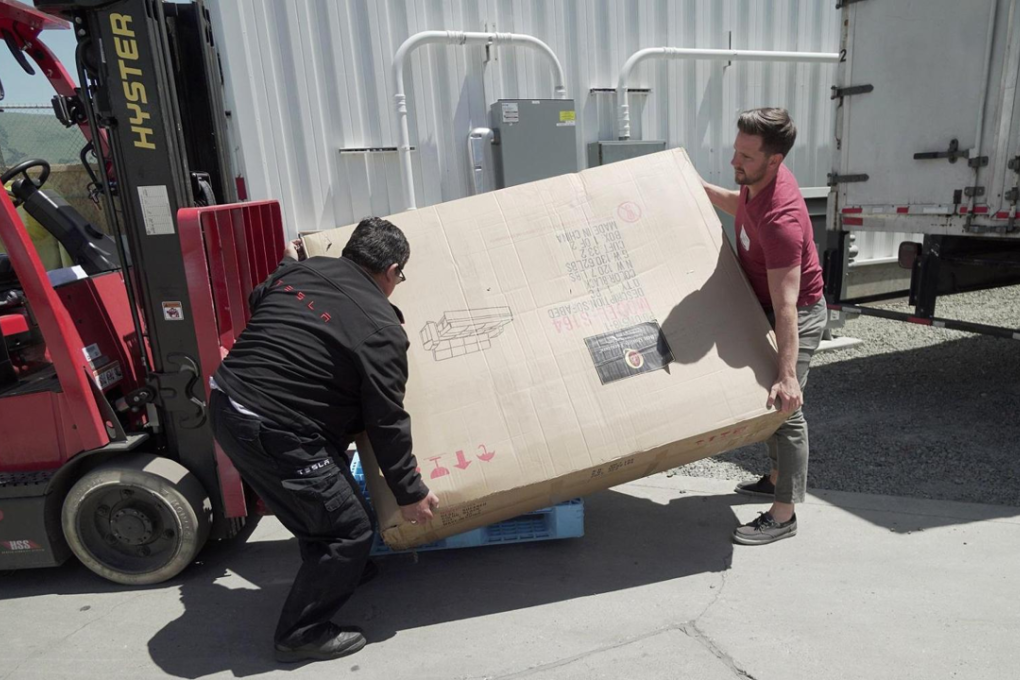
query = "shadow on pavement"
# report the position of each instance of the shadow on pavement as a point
(629, 542)
(938, 422)
(227, 624)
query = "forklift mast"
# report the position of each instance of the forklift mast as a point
(198, 76)
(131, 88)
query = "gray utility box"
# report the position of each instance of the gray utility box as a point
(537, 139)
(604, 153)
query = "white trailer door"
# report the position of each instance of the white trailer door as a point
(925, 60)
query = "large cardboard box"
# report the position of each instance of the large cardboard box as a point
(570, 335)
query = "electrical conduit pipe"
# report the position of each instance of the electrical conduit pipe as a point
(476, 154)
(453, 38)
(690, 53)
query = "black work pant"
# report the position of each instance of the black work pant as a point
(308, 485)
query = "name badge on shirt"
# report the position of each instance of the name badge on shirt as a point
(744, 238)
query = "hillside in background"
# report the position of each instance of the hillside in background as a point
(37, 135)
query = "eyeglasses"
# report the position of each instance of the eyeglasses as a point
(400, 273)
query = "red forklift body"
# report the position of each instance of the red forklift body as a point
(72, 418)
(228, 250)
(50, 417)
(46, 417)
(106, 449)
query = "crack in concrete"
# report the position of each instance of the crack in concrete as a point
(727, 563)
(689, 628)
(692, 631)
(577, 657)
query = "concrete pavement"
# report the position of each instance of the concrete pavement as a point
(872, 587)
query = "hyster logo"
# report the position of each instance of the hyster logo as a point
(19, 545)
(127, 51)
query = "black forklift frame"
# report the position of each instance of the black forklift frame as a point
(134, 92)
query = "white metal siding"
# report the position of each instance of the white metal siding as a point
(306, 78)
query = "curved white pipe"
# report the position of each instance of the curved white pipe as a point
(453, 38)
(690, 53)
(476, 154)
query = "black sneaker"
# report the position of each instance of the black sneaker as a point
(765, 529)
(339, 642)
(762, 487)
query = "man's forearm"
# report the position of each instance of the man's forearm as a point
(724, 199)
(787, 337)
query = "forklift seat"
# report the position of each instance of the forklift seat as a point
(88, 247)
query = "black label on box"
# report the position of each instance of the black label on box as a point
(629, 351)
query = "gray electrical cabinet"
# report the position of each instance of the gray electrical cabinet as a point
(604, 153)
(536, 139)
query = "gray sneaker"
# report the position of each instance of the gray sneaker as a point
(764, 529)
(762, 487)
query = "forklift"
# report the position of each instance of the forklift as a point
(106, 450)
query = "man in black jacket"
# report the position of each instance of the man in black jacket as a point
(323, 358)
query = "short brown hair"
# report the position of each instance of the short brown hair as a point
(773, 126)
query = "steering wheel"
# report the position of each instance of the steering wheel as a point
(22, 168)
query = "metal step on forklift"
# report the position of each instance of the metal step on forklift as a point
(106, 451)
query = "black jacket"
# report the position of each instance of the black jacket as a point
(325, 352)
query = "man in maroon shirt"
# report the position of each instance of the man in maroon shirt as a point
(777, 252)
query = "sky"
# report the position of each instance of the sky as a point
(22, 88)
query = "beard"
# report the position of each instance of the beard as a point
(744, 179)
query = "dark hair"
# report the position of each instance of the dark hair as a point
(376, 244)
(773, 126)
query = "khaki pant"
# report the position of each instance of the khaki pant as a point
(788, 447)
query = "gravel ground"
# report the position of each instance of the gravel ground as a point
(913, 411)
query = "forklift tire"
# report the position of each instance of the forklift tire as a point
(137, 520)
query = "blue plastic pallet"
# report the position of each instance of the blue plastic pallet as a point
(565, 520)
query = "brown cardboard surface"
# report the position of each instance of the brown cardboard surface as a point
(537, 368)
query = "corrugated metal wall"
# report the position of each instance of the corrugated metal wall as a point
(307, 78)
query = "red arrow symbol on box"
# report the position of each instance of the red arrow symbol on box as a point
(462, 462)
(485, 455)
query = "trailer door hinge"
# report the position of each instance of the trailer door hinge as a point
(1013, 195)
(835, 178)
(1014, 164)
(973, 191)
(840, 4)
(840, 92)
